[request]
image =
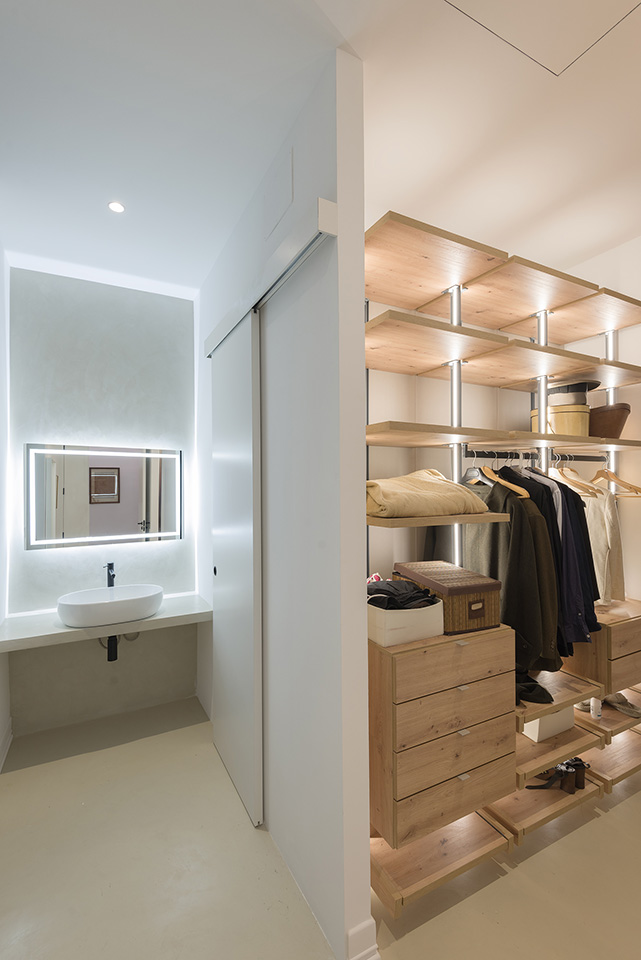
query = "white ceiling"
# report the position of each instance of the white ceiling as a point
(176, 109)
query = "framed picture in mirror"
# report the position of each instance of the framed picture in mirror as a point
(104, 484)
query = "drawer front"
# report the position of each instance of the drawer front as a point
(433, 808)
(624, 672)
(418, 721)
(433, 668)
(432, 763)
(625, 638)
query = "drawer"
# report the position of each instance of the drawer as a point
(431, 668)
(624, 672)
(625, 638)
(442, 804)
(427, 718)
(431, 763)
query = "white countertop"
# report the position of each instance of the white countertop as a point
(45, 629)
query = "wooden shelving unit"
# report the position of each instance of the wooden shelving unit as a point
(410, 267)
(612, 721)
(399, 433)
(417, 345)
(566, 690)
(621, 759)
(533, 758)
(402, 876)
(438, 521)
(527, 810)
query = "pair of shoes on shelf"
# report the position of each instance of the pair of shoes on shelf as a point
(570, 776)
(621, 703)
(584, 706)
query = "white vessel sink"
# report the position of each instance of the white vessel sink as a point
(104, 605)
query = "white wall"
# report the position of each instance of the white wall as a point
(102, 365)
(5, 717)
(315, 667)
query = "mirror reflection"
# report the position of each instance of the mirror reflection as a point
(78, 495)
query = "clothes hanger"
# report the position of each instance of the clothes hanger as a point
(494, 477)
(474, 474)
(610, 477)
(576, 482)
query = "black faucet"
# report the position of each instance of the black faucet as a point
(111, 575)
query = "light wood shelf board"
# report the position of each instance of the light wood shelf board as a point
(407, 343)
(618, 610)
(438, 521)
(619, 760)
(408, 262)
(511, 292)
(586, 316)
(525, 440)
(566, 690)
(525, 810)
(399, 433)
(532, 758)
(516, 366)
(400, 877)
(612, 721)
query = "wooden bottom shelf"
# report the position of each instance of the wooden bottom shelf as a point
(445, 521)
(526, 810)
(619, 760)
(402, 876)
(566, 691)
(612, 721)
(532, 758)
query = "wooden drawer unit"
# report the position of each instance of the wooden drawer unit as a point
(614, 656)
(427, 666)
(442, 731)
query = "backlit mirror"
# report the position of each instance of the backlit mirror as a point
(80, 495)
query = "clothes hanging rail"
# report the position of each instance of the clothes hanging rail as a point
(469, 454)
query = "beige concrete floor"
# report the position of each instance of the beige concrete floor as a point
(124, 839)
(570, 890)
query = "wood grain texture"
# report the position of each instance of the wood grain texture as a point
(400, 877)
(618, 761)
(381, 764)
(612, 721)
(461, 660)
(619, 610)
(526, 810)
(431, 763)
(532, 758)
(565, 689)
(625, 638)
(408, 262)
(511, 292)
(458, 708)
(624, 672)
(448, 801)
(586, 316)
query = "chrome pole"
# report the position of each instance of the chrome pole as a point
(456, 394)
(542, 399)
(612, 353)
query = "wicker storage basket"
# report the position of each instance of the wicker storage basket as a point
(470, 600)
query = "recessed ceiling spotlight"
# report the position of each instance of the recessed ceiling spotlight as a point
(116, 207)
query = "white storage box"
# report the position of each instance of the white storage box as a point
(549, 725)
(389, 627)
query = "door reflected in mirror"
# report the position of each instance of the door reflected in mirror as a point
(80, 495)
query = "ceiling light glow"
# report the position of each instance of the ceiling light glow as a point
(116, 207)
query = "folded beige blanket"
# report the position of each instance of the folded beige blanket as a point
(420, 494)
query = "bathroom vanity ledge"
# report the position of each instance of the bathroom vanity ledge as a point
(46, 629)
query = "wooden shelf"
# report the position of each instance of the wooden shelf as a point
(398, 433)
(401, 876)
(618, 610)
(417, 345)
(408, 262)
(445, 521)
(612, 721)
(566, 690)
(511, 292)
(526, 810)
(532, 758)
(618, 761)
(586, 317)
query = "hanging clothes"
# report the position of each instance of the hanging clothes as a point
(605, 538)
(519, 554)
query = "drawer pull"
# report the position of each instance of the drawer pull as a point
(463, 687)
(464, 776)
(462, 733)
(462, 643)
